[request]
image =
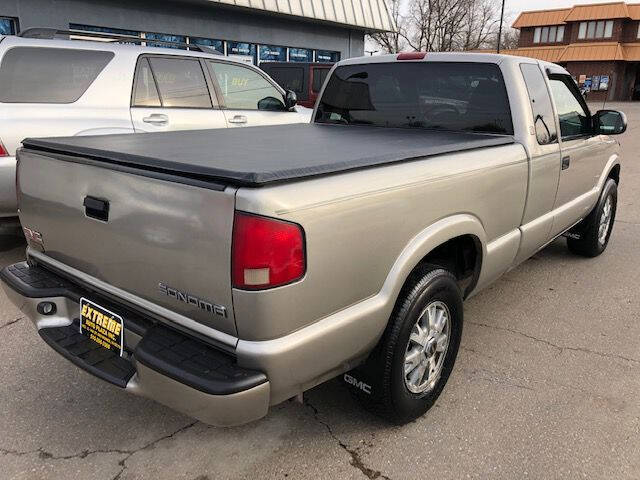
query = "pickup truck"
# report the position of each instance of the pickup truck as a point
(220, 277)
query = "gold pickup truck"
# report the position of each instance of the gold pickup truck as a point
(221, 272)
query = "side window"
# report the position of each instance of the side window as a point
(145, 91)
(49, 75)
(319, 76)
(289, 78)
(574, 119)
(181, 82)
(540, 104)
(244, 89)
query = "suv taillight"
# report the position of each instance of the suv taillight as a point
(266, 252)
(3, 151)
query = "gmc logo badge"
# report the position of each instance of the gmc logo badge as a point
(359, 384)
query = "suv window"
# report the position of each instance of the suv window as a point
(574, 118)
(245, 89)
(49, 75)
(145, 91)
(319, 76)
(181, 82)
(543, 118)
(429, 95)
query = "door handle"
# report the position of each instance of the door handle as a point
(156, 119)
(566, 161)
(238, 119)
(96, 208)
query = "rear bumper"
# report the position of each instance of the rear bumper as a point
(168, 366)
(8, 199)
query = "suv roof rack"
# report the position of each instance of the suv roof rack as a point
(52, 33)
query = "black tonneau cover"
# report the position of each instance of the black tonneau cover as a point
(257, 156)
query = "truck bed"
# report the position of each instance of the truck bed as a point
(257, 156)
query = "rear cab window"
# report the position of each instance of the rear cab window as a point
(49, 75)
(429, 95)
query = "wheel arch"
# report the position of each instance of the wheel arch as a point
(457, 243)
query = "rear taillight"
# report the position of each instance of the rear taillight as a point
(266, 253)
(3, 151)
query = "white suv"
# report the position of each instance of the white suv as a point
(62, 87)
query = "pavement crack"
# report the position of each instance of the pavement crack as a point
(11, 322)
(356, 460)
(560, 348)
(45, 455)
(123, 463)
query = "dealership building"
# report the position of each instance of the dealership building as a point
(599, 44)
(251, 30)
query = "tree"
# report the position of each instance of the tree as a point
(510, 39)
(440, 25)
(392, 42)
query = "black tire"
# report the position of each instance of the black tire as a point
(380, 383)
(589, 243)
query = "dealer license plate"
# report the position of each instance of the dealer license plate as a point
(101, 326)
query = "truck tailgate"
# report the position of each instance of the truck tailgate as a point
(168, 242)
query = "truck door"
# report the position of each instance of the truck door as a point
(582, 153)
(249, 98)
(544, 167)
(173, 93)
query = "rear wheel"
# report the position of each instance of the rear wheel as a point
(595, 230)
(407, 371)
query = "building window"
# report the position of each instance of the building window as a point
(300, 55)
(8, 26)
(552, 34)
(166, 37)
(242, 51)
(595, 29)
(271, 53)
(217, 45)
(324, 56)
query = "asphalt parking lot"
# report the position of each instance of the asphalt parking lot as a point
(546, 385)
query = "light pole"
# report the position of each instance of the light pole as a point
(500, 29)
(371, 52)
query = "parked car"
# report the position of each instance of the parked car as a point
(305, 79)
(220, 276)
(57, 87)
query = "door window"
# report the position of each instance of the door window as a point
(145, 92)
(540, 104)
(181, 82)
(244, 89)
(574, 117)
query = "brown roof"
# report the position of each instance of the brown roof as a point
(598, 11)
(541, 18)
(589, 52)
(581, 52)
(631, 52)
(595, 11)
(548, 54)
(634, 11)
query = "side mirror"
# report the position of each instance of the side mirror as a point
(290, 99)
(609, 122)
